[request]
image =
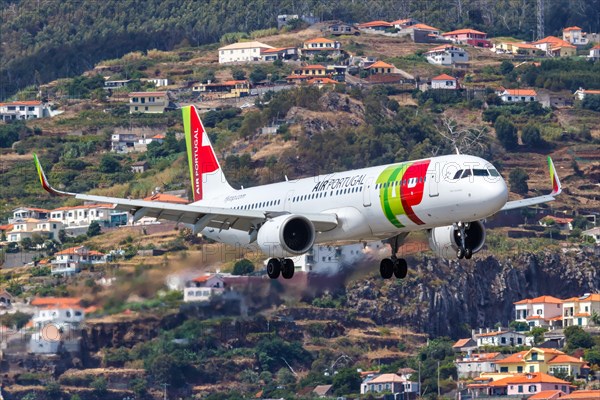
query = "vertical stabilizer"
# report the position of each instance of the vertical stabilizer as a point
(207, 177)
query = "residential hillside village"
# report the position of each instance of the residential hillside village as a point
(71, 319)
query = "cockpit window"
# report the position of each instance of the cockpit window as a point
(466, 174)
(458, 174)
(493, 172)
(480, 172)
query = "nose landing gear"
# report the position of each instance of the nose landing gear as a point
(463, 251)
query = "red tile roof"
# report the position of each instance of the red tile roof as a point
(513, 358)
(565, 359)
(86, 206)
(203, 278)
(53, 301)
(461, 342)
(424, 27)
(583, 395)
(380, 64)
(7, 227)
(320, 40)
(547, 395)
(322, 81)
(314, 66)
(490, 334)
(23, 103)
(582, 314)
(443, 77)
(147, 94)
(521, 92)
(166, 198)
(464, 32)
(572, 28)
(540, 299)
(374, 24)
(70, 250)
(534, 377)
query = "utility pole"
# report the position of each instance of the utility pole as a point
(438, 381)
(540, 19)
(164, 385)
(419, 378)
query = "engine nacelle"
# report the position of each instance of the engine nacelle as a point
(445, 240)
(286, 235)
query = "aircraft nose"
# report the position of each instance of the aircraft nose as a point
(497, 193)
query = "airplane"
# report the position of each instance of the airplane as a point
(447, 196)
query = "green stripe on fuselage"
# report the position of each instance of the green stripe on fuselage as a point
(391, 202)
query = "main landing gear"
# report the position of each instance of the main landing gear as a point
(463, 251)
(394, 266)
(283, 266)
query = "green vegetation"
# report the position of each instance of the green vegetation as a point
(243, 267)
(506, 132)
(517, 180)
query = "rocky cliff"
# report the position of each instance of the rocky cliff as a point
(449, 298)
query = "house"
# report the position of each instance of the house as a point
(447, 54)
(29, 227)
(55, 321)
(322, 82)
(158, 82)
(575, 36)
(123, 142)
(279, 53)
(145, 141)
(381, 67)
(203, 288)
(342, 29)
(425, 28)
(118, 84)
(4, 229)
(148, 102)
(374, 26)
(22, 213)
(595, 53)
(517, 95)
(583, 395)
(501, 338)
(545, 360)
(82, 216)
(388, 383)
(311, 71)
(465, 345)
(564, 224)
(444, 81)
(555, 47)
(540, 311)
(581, 93)
(516, 48)
(468, 36)
(473, 365)
(580, 310)
(323, 390)
(6, 299)
(23, 110)
(594, 233)
(242, 52)
(519, 385)
(321, 46)
(139, 167)
(404, 23)
(225, 90)
(71, 260)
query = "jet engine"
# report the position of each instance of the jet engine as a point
(445, 240)
(286, 235)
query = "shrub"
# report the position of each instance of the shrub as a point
(518, 181)
(506, 132)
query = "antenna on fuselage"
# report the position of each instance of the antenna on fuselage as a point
(286, 178)
(457, 152)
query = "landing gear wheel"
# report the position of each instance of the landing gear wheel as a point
(287, 268)
(468, 253)
(386, 268)
(273, 268)
(400, 268)
(460, 254)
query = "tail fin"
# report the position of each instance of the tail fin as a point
(207, 177)
(556, 187)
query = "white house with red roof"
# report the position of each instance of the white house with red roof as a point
(518, 385)
(404, 23)
(22, 213)
(575, 36)
(474, 364)
(502, 338)
(55, 321)
(23, 110)
(71, 260)
(380, 67)
(393, 383)
(242, 52)
(431, 30)
(517, 95)
(555, 47)
(447, 54)
(563, 223)
(279, 53)
(539, 311)
(321, 46)
(374, 26)
(468, 36)
(594, 53)
(444, 81)
(581, 92)
(28, 227)
(203, 288)
(579, 310)
(148, 102)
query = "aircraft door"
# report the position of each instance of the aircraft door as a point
(367, 192)
(433, 176)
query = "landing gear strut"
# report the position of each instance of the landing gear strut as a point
(283, 266)
(394, 266)
(463, 251)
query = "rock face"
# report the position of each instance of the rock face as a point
(449, 298)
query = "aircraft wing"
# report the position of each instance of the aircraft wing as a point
(198, 216)
(556, 190)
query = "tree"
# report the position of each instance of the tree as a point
(258, 74)
(538, 334)
(592, 355)
(518, 181)
(346, 381)
(506, 132)
(100, 386)
(26, 243)
(208, 76)
(53, 390)
(238, 74)
(109, 164)
(243, 267)
(531, 136)
(519, 326)
(285, 377)
(577, 338)
(94, 229)
(506, 67)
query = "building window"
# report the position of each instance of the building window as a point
(520, 389)
(532, 388)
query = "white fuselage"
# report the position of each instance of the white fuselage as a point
(378, 202)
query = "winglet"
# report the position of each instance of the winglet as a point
(556, 187)
(44, 180)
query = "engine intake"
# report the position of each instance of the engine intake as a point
(286, 235)
(445, 240)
